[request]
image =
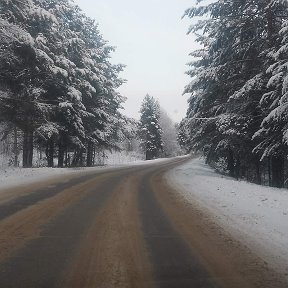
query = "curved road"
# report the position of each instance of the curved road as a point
(119, 228)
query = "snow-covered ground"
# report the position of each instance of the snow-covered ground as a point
(116, 158)
(10, 176)
(256, 215)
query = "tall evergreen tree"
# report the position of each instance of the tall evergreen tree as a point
(273, 134)
(150, 131)
(229, 79)
(59, 67)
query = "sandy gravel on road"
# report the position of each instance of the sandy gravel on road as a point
(119, 259)
(17, 230)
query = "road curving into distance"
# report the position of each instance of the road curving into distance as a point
(122, 228)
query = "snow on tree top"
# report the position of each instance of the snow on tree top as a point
(44, 14)
(74, 94)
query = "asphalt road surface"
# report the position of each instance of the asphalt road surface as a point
(120, 228)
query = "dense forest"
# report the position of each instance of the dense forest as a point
(59, 103)
(238, 108)
(59, 90)
(57, 84)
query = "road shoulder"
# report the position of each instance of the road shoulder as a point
(230, 261)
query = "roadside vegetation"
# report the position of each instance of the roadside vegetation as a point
(59, 103)
(237, 111)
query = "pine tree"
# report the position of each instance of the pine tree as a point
(184, 135)
(273, 134)
(29, 76)
(229, 79)
(150, 131)
(18, 80)
(58, 64)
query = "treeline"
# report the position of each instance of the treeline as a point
(238, 109)
(57, 84)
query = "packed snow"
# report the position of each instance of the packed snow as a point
(253, 214)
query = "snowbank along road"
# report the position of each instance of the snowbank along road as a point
(125, 227)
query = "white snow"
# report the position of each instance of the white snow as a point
(55, 70)
(118, 158)
(44, 56)
(74, 94)
(11, 177)
(253, 214)
(44, 14)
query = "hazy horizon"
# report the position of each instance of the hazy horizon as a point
(150, 38)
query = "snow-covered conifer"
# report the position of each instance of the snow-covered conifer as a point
(150, 131)
(228, 78)
(59, 65)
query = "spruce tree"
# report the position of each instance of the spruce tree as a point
(150, 131)
(58, 81)
(273, 133)
(229, 79)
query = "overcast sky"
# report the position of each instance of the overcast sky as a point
(151, 40)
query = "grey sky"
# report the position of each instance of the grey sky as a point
(151, 40)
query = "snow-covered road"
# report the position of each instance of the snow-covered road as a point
(253, 214)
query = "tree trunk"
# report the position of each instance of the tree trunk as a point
(90, 152)
(25, 148)
(271, 27)
(258, 172)
(76, 158)
(94, 155)
(67, 159)
(269, 172)
(230, 163)
(243, 171)
(28, 149)
(50, 153)
(148, 155)
(237, 167)
(61, 153)
(81, 162)
(277, 171)
(15, 148)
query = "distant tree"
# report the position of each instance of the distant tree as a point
(150, 131)
(183, 135)
(128, 133)
(169, 135)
